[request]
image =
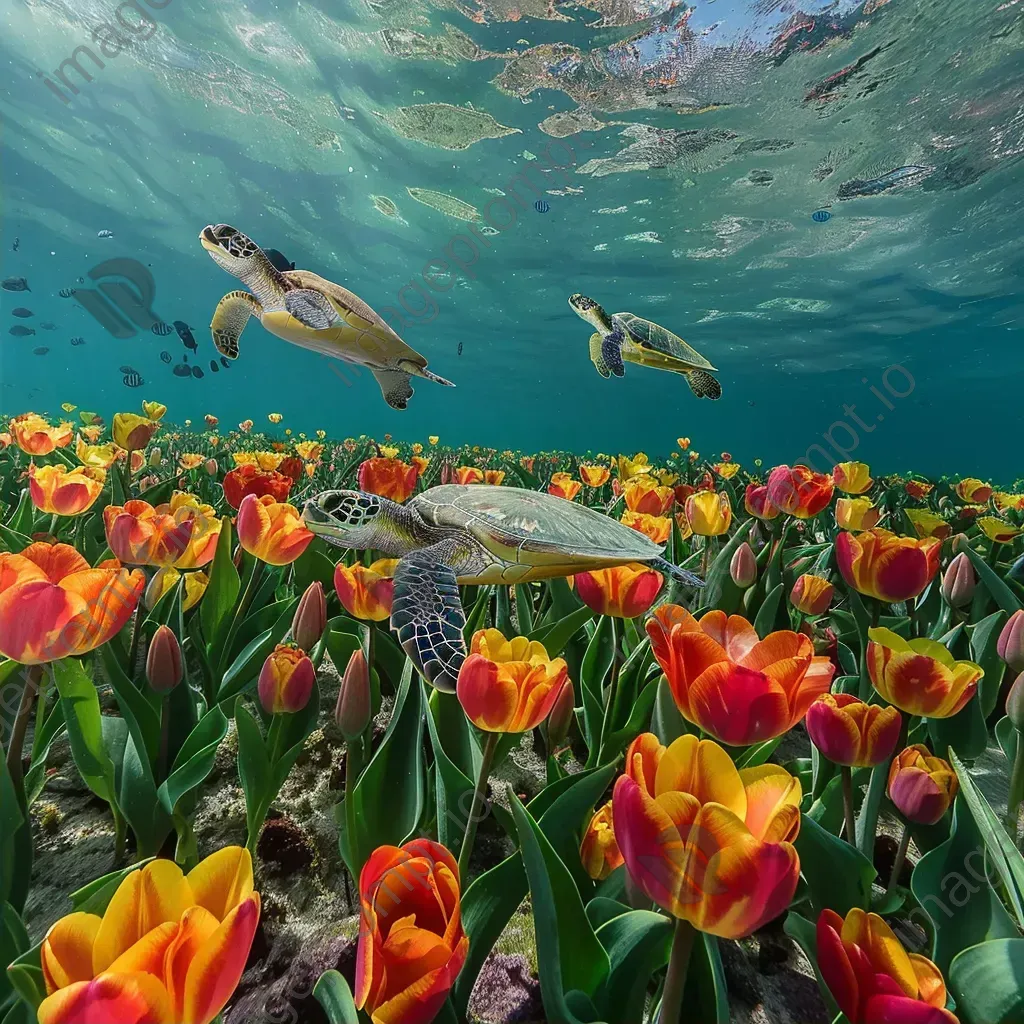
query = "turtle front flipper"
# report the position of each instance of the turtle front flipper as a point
(310, 308)
(394, 386)
(703, 385)
(427, 614)
(611, 352)
(229, 320)
(596, 358)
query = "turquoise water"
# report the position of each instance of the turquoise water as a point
(283, 119)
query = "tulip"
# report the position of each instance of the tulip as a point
(169, 947)
(799, 491)
(366, 593)
(52, 604)
(155, 410)
(1008, 502)
(390, 478)
(95, 456)
(271, 531)
(561, 717)
(178, 533)
(709, 513)
(737, 688)
(352, 712)
(852, 477)
(595, 476)
(211, 467)
(710, 844)
(644, 495)
(34, 435)
(743, 567)
(1010, 645)
(286, 680)
(313, 452)
(872, 978)
(469, 475)
(494, 477)
(562, 485)
(857, 514)
(920, 676)
(852, 733)
(959, 582)
(166, 579)
(163, 661)
(811, 595)
(433, 439)
(998, 531)
(726, 470)
(411, 941)
(509, 685)
(655, 528)
(131, 431)
(599, 851)
(310, 618)
(60, 491)
(973, 491)
(927, 523)
(921, 786)
(918, 488)
(623, 591)
(889, 568)
(755, 501)
(629, 468)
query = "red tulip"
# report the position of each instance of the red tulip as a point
(623, 591)
(799, 491)
(850, 732)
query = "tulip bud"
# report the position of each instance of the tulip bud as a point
(310, 617)
(959, 582)
(811, 594)
(163, 661)
(743, 567)
(154, 457)
(1010, 645)
(921, 786)
(286, 680)
(211, 467)
(560, 719)
(352, 712)
(1015, 703)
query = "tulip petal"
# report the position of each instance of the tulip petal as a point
(886, 1009)
(66, 952)
(703, 769)
(124, 998)
(147, 955)
(739, 706)
(834, 964)
(419, 1004)
(732, 633)
(773, 803)
(223, 880)
(643, 756)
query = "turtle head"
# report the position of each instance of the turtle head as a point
(234, 252)
(590, 311)
(355, 519)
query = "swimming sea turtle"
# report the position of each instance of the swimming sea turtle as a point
(456, 534)
(626, 336)
(305, 309)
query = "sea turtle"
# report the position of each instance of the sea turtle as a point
(305, 309)
(626, 336)
(456, 534)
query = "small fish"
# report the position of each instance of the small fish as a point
(78, 341)
(17, 243)
(47, 326)
(105, 233)
(185, 333)
(133, 380)
(66, 293)
(224, 362)
(542, 206)
(214, 368)
(184, 359)
(165, 357)
(161, 330)
(460, 348)
(21, 332)
(81, 280)
(278, 259)
(197, 372)
(127, 369)
(68, 407)
(181, 370)
(22, 312)
(40, 351)
(15, 284)
(820, 216)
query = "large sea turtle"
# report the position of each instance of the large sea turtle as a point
(626, 336)
(305, 309)
(456, 534)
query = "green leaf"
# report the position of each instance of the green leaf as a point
(13, 942)
(984, 636)
(140, 803)
(719, 590)
(253, 764)
(245, 669)
(838, 875)
(965, 732)
(666, 722)
(524, 608)
(477, 614)
(21, 521)
(767, 616)
(142, 718)
(706, 991)
(217, 608)
(15, 841)
(453, 789)
(556, 636)
(804, 933)
(998, 590)
(12, 540)
(334, 995)
(194, 761)
(638, 943)
(987, 981)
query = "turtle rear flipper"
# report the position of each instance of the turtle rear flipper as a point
(394, 386)
(229, 320)
(611, 354)
(427, 614)
(310, 308)
(703, 385)
(596, 358)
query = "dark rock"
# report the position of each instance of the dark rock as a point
(284, 845)
(505, 991)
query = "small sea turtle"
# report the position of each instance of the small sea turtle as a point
(626, 336)
(457, 534)
(307, 310)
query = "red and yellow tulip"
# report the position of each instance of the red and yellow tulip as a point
(811, 594)
(132, 431)
(852, 477)
(921, 786)
(973, 491)
(657, 528)
(927, 523)
(623, 591)
(60, 491)
(595, 476)
(366, 593)
(249, 479)
(737, 688)
(562, 485)
(34, 435)
(710, 844)
(709, 513)
(390, 478)
(166, 579)
(95, 456)
(599, 852)
(918, 488)
(755, 501)
(468, 475)
(494, 477)
(850, 732)
(643, 494)
(286, 680)
(181, 533)
(889, 568)
(998, 530)
(857, 514)
(272, 531)
(799, 491)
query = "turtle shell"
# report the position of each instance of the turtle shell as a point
(654, 336)
(531, 521)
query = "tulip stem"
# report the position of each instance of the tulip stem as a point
(900, 858)
(17, 742)
(490, 747)
(846, 775)
(133, 644)
(353, 766)
(165, 739)
(1016, 790)
(53, 525)
(675, 976)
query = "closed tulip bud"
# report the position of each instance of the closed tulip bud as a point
(1010, 645)
(286, 680)
(154, 457)
(850, 732)
(211, 467)
(310, 617)
(560, 719)
(352, 712)
(743, 567)
(1015, 703)
(163, 661)
(959, 582)
(921, 786)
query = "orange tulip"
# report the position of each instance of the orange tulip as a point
(139, 534)
(60, 491)
(34, 435)
(366, 593)
(921, 786)
(710, 844)
(852, 477)
(562, 485)
(623, 591)
(887, 567)
(169, 948)
(494, 476)
(52, 604)
(918, 488)
(872, 977)
(850, 732)
(272, 531)
(595, 476)
(973, 490)
(709, 513)
(599, 851)
(390, 478)
(799, 491)
(211, 421)
(509, 685)
(411, 941)
(737, 688)
(811, 594)
(420, 462)
(755, 501)
(857, 514)
(657, 528)
(286, 680)
(920, 676)
(644, 495)
(1004, 501)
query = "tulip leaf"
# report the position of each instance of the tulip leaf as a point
(12, 540)
(639, 715)
(803, 932)
(666, 722)
(756, 755)
(143, 721)
(638, 943)
(453, 793)
(477, 614)
(838, 875)
(524, 608)
(265, 618)
(965, 732)
(987, 981)
(766, 620)
(245, 669)
(14, 941)
(140, 802)
(503, 611)
(984, 636)
(1006, 737)
(558, 634)
(194, 760)
(21, 520)
(569, 954)
(314, 564)
(216, 610)
(334, 995)
(253, 765)
(15, 841)
(719, 590)
(997, 589)
(455, 732)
